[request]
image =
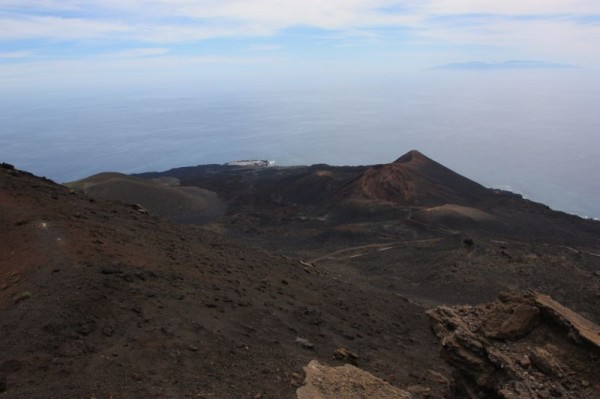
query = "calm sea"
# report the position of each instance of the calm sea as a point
(532, 132)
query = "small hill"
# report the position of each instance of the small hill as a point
(414, 179)
(161, 197)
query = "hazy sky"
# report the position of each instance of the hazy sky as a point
(45, 42)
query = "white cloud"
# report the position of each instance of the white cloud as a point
(163, 21)
(137, 53)
(15, 54)
(57, 28)
(279, 14)
(154, 20)
(150, 23)
(555, 40)
(513, 7)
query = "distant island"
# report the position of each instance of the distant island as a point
(514, 64)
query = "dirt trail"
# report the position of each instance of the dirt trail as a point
(376, 247)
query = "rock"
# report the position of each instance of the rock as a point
(295, 379)
(585, 383)
(306, 344)
(192, 348)
(438, 377)
(23, 296)
(345, 382)
(579, 328)
(8, 166)
(2, 384)
(110, 270)
(470, 336)
(345, 355)
(557, 393)
(140, 209)
(525, 361)
(510, 321)
(108, 331)
(419, 390)
(543, 394)
(545, 362)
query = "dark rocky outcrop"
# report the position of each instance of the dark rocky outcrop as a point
(520, 346)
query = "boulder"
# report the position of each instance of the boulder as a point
(346, 355)
(546, 362)
(510, 321)
(345, 382)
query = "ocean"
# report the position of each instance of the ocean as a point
(536, 133)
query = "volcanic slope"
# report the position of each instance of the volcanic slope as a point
(414, 189)
(412, 227)
(414, 179)
(100, 300)
(164, 197)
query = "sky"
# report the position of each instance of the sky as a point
(104, 42)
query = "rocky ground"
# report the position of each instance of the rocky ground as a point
(315, 283)
(100, 300)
